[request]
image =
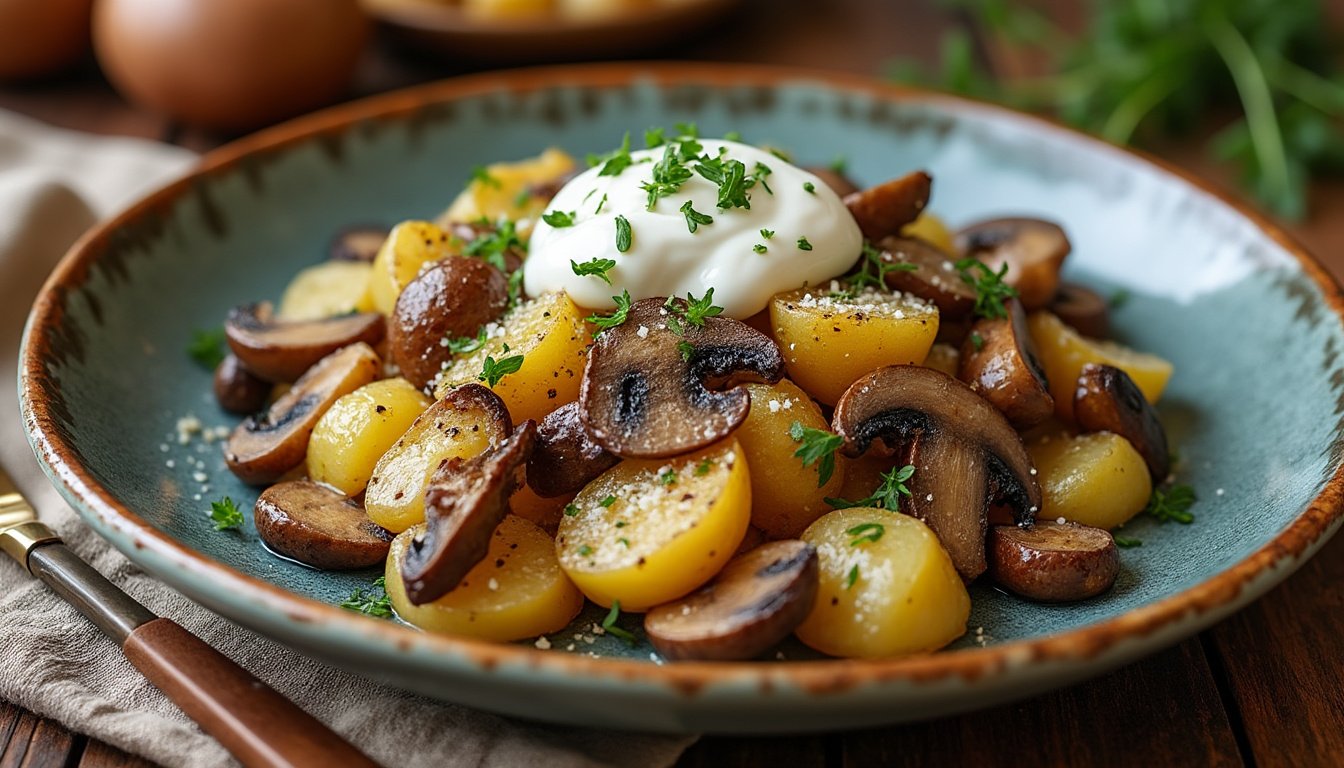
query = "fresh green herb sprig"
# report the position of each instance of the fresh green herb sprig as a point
(1172, 504)
(1127, 543)
(208, 347)
(871, 272)
(374, 602)
(624, 235)
(694, 218)
(614, 161)
(466, 344)
(866, 533)
(817, 446)
(492, 370)
(481, 175)
(622, 313)
(692, 312)
(609, 625)
(852, 577)
(492, 244)
(559, 219)
(990, 289)
(594, 267)
(888, 494)
(225, 515)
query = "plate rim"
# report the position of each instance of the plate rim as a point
(1205, 601)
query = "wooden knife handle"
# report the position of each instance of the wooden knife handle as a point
(254, 722)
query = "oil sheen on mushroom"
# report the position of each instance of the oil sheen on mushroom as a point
(1108, 400)
(281, 350)
(1033, 249)
(999, 362)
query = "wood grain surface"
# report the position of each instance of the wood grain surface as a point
(1264, 688)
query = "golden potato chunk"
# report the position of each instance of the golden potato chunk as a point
(518, 591)
(550, 335)
(829, 341)
(646, 532)
(410, 246)
(358, 429)
(931, 229)
(326, 290)
(785, 496)
(511, 190)
(888, 587)
(1096, 479)
(1063, 353)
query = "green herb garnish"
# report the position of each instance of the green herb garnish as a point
(694, 218)
(669, 477)
(623, 234)
(559, 219)
(767, 233)
(809, 188)
(839, 165)
(1172, 504)
(759, 248)
(466, 344)
(803, 245)
(990, 290)
(609, 624)
(614, 161)
(607, 502)
(375, 602)
(225, 515)
(481, 175)
(594, 267)
(603, 322)
(817, 446)
(492, 244)
(866, 533)
(208, 347)
(1119, 299)
(852, 576)
(571, 510)
(888, 494)
(1126, 543)
(703, 467)
(685, 349)
(585, 550)
(493, 370)
(977, 341)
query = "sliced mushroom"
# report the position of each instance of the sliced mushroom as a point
(1083, 309)
(837, 181)
(999, 362)
(464, 503)
(964, 451)
(1053, 562)
(264, 447)
(281, 350)
(881, 211)
(452, 299)
(565, 459)
(641, 397)
(1033, 249)
(319, 526)
(359, 243)
(755, 602)
(1108, 400)
(934, 277)
(237, 389)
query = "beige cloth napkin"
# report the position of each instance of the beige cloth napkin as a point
(53, 185)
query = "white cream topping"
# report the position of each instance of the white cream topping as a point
(665, 258)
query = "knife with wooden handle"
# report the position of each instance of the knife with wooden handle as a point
(250, 719)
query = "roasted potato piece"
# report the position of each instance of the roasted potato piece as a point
(785, 496)
(317, 526)
(931, 229)
(945, 358)
(448, 300)
(410, 246)
(511, 190)
(1107, 400)
(1096, 479)
(647, 532)
(518, 591)
(887, 587)
(545, 512)
(326, 290)
(1063, 354)
(358, 429)
(1052, 562)
(829, 342)
(550, 335)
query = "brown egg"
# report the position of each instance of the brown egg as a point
(229, 64)
(40, 37)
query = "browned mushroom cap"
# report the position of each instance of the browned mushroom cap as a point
(565, 459)
(451, 299)
(837, 181)
(1053, 562)
(359, 243)
(964, 451)
(934, 277)
(319, 526)
(281, 350)
(1108, 400)
(1033, 249)
(1083, 309)
(882, 210)
(464, 503)
(642, 398)
(264, 447)
(755, 602)
(237, 389)
(998, 361)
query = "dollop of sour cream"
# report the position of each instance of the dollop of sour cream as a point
(746, 255)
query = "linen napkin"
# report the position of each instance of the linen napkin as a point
(54, 184)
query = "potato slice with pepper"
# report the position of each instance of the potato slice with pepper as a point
(410, 246)
(650, 531)
(358, 429)
(517, 591)
(517, 190)
(326, 290)
(1097, 479)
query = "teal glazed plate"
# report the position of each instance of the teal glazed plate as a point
(1252, 323)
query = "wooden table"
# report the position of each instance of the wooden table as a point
(1264, 688)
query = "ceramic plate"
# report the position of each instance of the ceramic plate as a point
(1252, 324)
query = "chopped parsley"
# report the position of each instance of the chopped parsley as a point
(208, 347)
(840, 164)
(803, 245)
(603, 322)
(809, 188)
(594, 267)
(492, 244)
(852, 576)
(1172, 504)
(873, 269)
(731, 178)
(601, 203)
(732, 136)
(759, 248)
(694, 218)
(1127, 543)
(684, 347)
(669, 173)
(481, 175)
(609, 624)
(669, 477)
(571, 510)
(375, 602)
(888, 494)
(703, 467)
(623, 234)
(758, 174)
(466, 344)
(1119, 299)
(767, 233)
(866, 533)
(614, 161)
(607, 502)
(623, 542)
(493, 370)
(225, 515)
(653, 138)
(585, 550)
(817, 447)
(977, 341)
(694, 312)
(559, 219)
(990, 290)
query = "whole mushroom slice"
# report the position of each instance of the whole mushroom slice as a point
(882, 210)
(1033, 249)
(1108, 400)
(319, 526)
(565, 459)
(929, 274)
(451, 299)
(964, 451)
(281, 350)
(358, 243)
(464, 503)
(642, 398)
(1083, 309)
(266, 446)
(754, 603)
(999, 362)
(1053, 562)
(237, 389)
